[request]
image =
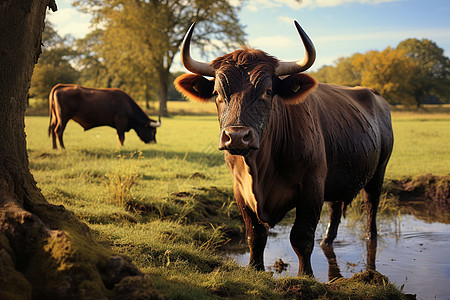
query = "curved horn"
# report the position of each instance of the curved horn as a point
(291, 67)
(155, 124)
(188, 62)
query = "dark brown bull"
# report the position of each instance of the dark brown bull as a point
(92, 107)
(292, 143)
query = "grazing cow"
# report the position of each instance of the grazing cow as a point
(92, 107)
(292, 143)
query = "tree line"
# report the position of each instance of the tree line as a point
(133, 44)
(413, 73)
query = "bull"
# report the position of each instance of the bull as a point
(91, 107)
(291, 142)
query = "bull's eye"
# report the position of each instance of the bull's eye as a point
(269, 93)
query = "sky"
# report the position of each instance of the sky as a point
(338, 28)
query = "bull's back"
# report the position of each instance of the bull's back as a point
(357, 132)
(91, 107)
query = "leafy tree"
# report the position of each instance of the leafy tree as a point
(395, 73)
(431, 75)
(323, 74)
(93, 70)
(173, 94)
(346, 71)
(343, 73)
(388, 71)
(54, 64)
(141, 38)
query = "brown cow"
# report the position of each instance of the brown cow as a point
(92, 107)
(292, 143)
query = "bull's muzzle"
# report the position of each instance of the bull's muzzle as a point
(238, 140)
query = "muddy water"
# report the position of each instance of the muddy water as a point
(413, 251)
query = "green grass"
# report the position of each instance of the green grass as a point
(169, 206)
(421, 145)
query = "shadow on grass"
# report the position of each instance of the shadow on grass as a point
(207, 157)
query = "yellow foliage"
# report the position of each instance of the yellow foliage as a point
(388, 71)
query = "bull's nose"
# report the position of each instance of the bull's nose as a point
(238, 138)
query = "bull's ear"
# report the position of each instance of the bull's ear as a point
(195, 87)
(294, 88)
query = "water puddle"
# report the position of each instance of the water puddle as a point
(413, 250)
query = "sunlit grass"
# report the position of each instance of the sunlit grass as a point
(421, 146)
(169, 205)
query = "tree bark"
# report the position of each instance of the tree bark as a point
(418, 96)
(45, 251)
(147, 96)
(163, 90)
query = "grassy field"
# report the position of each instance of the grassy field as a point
(169, 206)
(421, 145)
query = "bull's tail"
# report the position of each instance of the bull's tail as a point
(51, 100)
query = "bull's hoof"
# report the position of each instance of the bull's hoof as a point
(257, 267)
(308, 273)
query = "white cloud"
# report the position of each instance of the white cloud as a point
(433, 34)
(70, 21)
(330, 3)
(331, 47)
(256, 5)
(280, 41)
(264, 4)
(277, 41)
(285, 20)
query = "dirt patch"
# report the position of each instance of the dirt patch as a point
(425, 187)
(141, 208)
(198, 175)
(182, 194)
(300, 291)
(367, 283)
(280, 266)
(370, 277)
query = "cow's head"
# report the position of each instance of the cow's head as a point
(244, 85)
(147, 132)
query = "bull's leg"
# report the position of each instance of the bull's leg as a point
(333, 267)
(256, 235)
(55, 146)
(302, 233)
(59, 129)
(371, 254)
(256, 238)
(52, 132)
(121, 137)
(372, 199)
(121, 126)
(335, 211)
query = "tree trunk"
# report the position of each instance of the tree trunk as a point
(163, 90)
(418, 96)
(45, 251)
(418, 102)
(147, 95)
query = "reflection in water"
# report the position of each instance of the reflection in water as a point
(427, 211)
(371, 247)
(411, 252)
(333, 266)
